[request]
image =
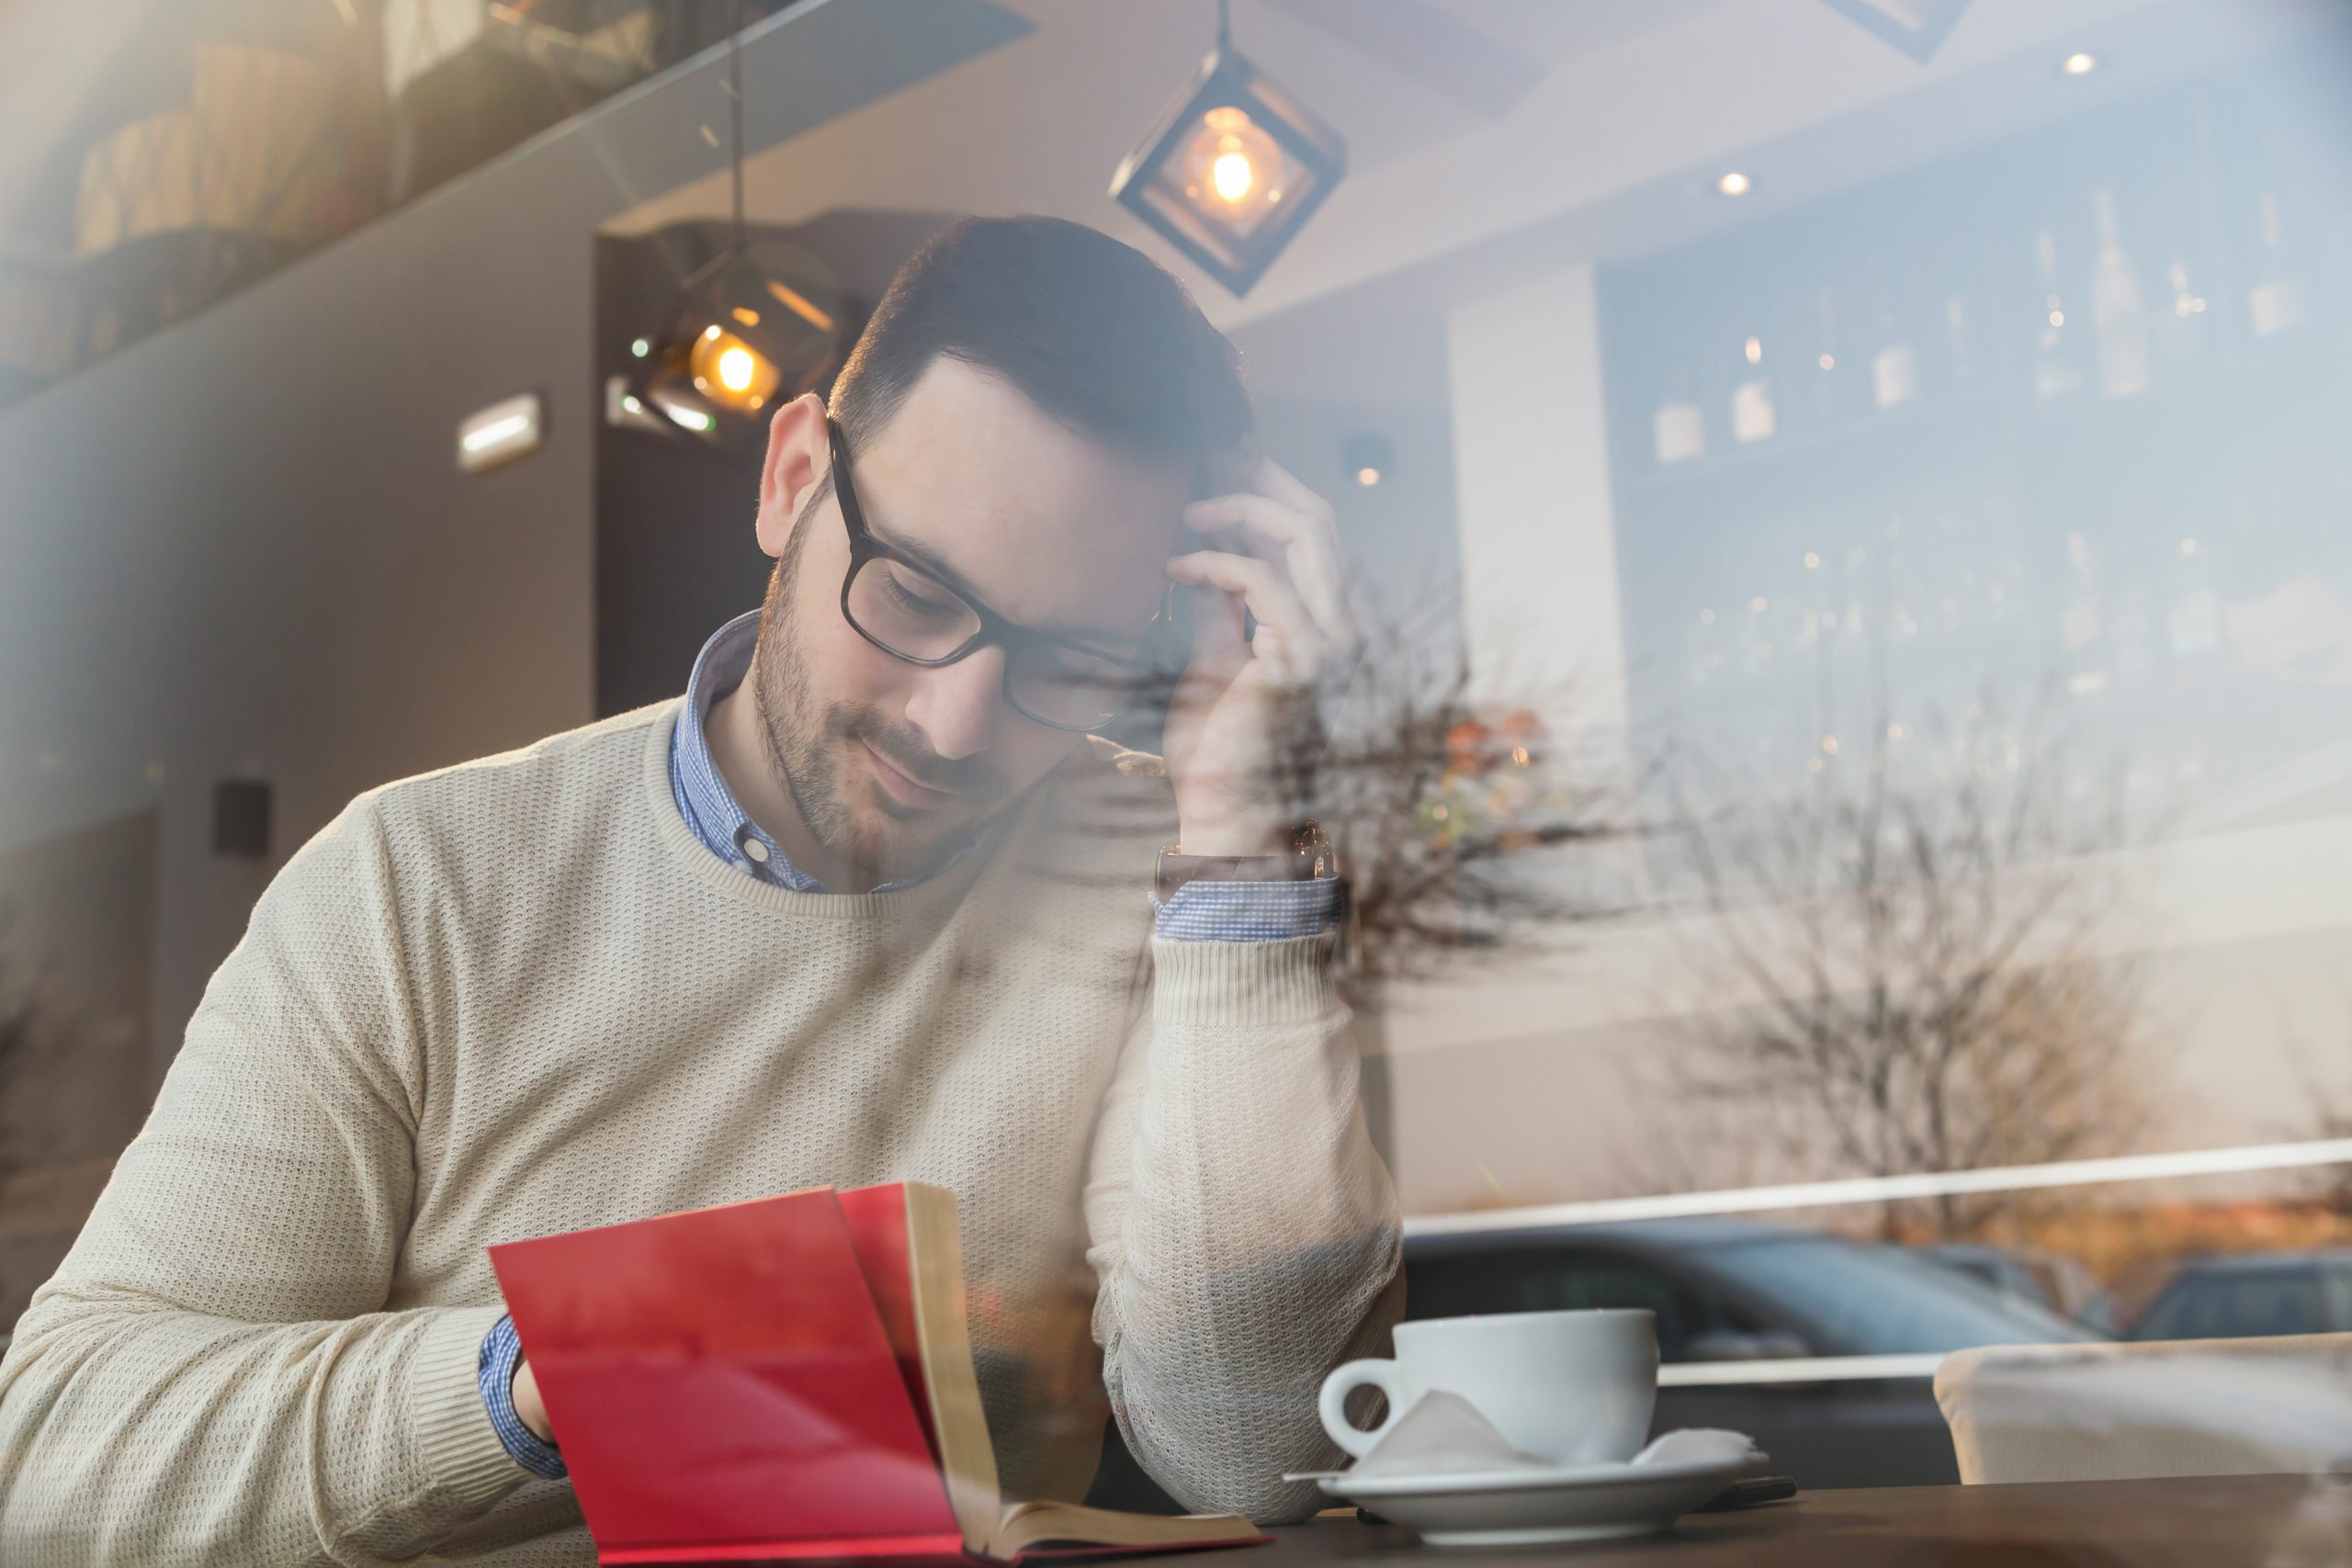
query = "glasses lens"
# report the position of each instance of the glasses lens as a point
(913, 616)
(1069, 687)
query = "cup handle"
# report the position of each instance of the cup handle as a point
(1343, 1382)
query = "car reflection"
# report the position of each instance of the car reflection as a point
(2032, 1274)
(2249, 1297)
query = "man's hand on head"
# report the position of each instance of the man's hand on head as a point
(529, 1408)
(1244, 698)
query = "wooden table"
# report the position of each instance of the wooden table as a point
(2228, 1521)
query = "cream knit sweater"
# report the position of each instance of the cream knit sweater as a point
(518, 998)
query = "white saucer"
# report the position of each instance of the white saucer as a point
(1593, 1501)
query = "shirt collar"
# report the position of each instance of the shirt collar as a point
(708, 805)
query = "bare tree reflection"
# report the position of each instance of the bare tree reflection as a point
(2329, 1115)
(1915, 933)
(1444, 793)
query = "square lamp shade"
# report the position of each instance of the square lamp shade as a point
(1917, 27)
(1233, 170)
(763, 325)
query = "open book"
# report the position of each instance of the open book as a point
(786, 1379)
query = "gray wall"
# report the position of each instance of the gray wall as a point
(243, 546)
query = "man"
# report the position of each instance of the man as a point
(867, 904)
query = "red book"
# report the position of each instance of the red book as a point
(783, 1380)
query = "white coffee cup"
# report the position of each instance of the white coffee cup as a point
(1568, 1387)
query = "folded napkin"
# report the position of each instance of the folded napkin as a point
(1443, 1434)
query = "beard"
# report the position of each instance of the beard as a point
(813, 746)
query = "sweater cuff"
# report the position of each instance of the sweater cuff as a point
(463, 1458)
(1244, 985)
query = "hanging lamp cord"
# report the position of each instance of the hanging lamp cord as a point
(735, 108)
(1224, 25)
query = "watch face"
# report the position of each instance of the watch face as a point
(1315, 846)
(1313, 855)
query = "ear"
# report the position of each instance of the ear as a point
(799, 455)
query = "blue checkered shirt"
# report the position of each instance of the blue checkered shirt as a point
(1200, 911)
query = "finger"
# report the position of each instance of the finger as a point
(1307, 544)
(1287, 636)
(1220, 638)
(1236, 467)
(1220, 653)
(1271, 477)
(1245, 468)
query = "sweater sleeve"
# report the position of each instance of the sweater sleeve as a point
(1243, 1233)
(212, 1375)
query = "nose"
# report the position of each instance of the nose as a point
(958, 706)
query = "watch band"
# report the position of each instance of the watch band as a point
(1312, 855)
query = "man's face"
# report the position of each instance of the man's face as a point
(891, 764)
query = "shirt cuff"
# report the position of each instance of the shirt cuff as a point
(502, 1348)
(1247, 911)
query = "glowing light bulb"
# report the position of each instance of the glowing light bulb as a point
(732, 372)
(2081, 64)
(1233, 170)
(1232, 175)
(1734, 183)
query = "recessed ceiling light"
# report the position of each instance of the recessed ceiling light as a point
(2080, 64)
(1734, 183)
(1370, 459)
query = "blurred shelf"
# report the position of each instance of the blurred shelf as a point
(1894, 444)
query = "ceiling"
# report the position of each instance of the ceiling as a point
(1623, 112)
(1472, 125)
(1050, 112)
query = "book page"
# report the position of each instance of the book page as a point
(1027, 1524)
(967, 1454)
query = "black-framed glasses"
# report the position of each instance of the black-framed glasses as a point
(902, 607)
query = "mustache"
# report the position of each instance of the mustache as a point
(903, 747)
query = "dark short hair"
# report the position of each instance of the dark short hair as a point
(1095, 334)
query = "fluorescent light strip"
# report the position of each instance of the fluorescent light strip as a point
(491, 434)
(501, 432)
(1799, 1369)
(1886, 1188)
